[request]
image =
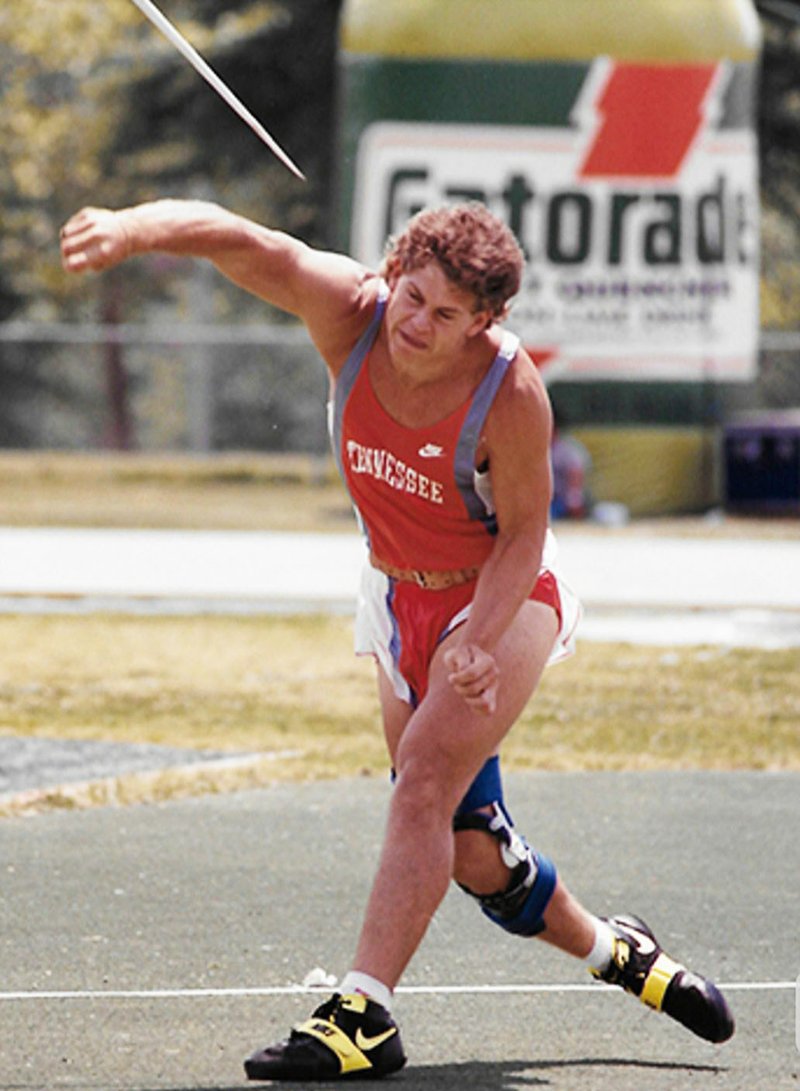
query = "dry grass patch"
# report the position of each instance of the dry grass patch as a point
(219, 492)
(619, 706)
(239, 491)
(264, 684)
(233, 684)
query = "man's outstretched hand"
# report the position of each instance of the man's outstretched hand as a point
(93, 240)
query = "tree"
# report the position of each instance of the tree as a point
(779, 139)
(97, 107)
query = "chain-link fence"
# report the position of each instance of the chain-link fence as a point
(207, 388)
(779, 370)
(182, 388)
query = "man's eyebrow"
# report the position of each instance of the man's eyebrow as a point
(446, 308)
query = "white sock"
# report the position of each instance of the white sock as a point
(600, 955)
(356, 982)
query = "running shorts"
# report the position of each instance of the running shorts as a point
(402, 624)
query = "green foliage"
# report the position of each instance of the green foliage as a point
(56, 73)
(97, 107)
(779, 138)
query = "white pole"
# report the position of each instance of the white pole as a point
(148, 8)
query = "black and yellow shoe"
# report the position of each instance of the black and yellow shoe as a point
(346, 1037)
(640, 966)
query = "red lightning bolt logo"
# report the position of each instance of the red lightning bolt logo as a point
(651, 115)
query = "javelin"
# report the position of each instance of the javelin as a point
(148, 8)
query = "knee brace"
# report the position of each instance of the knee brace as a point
(520, 907)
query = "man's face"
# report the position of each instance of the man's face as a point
(429, 318)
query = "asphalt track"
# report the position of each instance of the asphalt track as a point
(153, 947)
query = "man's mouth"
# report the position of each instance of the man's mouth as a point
(412, 341)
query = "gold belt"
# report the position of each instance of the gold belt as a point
(433, 580)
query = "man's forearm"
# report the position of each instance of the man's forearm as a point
(97, 239)
(194, 228)
(506, 580)
(321, 288)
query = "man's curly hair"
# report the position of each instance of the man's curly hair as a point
(475, 249)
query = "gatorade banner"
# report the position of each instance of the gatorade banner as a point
(638, 213)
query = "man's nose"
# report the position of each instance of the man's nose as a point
(422, 321)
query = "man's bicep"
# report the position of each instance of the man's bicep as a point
(329, 287)
(523, 495)
(521, 474)
(290, 274)
(328, 292)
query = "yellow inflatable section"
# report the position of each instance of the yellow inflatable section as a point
(633, 30)
(653, 470)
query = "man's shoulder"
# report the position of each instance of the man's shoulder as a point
(336, 335)
(523, 385)
(521, 407)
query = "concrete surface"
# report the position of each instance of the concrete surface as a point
(152, 947)
(657, 589)
(606, 570)
(35, 763)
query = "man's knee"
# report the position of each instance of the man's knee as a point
(527, 879)
(478, 865)
(421, 788)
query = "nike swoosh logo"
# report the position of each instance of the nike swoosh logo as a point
(644, 944)
(431, 450)
(366, 1044)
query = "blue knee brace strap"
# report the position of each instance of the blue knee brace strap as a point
(519, 908)
(486, 789)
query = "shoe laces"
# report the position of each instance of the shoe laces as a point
(326, 1010)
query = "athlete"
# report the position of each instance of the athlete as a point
(441, 427)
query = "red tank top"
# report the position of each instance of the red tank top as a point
(420, 502)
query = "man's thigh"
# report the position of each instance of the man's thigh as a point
(456, 740)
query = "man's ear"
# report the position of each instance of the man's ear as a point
(480, 323)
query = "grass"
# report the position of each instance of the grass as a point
(223, 492)
(266, 684)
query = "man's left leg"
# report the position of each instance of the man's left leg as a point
(518, 889)
(442, 747)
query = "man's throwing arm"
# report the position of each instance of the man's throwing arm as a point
(327, 291)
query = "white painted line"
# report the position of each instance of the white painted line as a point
(297, 990)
